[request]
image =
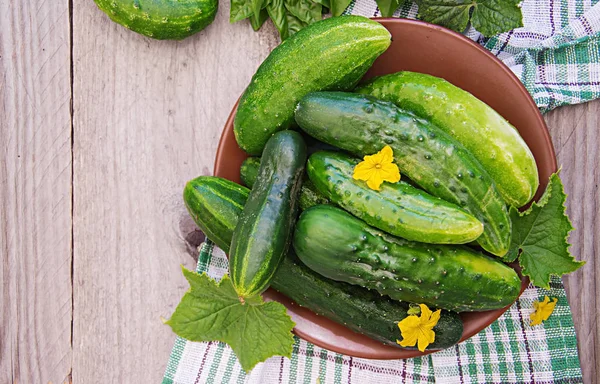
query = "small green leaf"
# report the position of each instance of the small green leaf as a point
(324, 3)
(339, 6)
(278, 15)
(294, 24)
(255, 330)
(540, 233)
(413, 309)
(264, 15)
(257, 6)
(306, 11)
(489, 17)
(388, 7)
(240, 10)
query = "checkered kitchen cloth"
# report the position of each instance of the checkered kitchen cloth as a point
(556, 54)
(508, 351)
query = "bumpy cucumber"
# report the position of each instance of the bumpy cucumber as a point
(487, 135)
(399, 208)
(341, 247)
(309, 196)
(330, 54)
(211, 201)
(249, 171)
(361, 310)
(432, 159)
(264, 230)
(161, 19)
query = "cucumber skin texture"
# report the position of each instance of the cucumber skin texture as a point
(398, 209)
(330, 54)
(341, 247)
(309, 196)
(431, 158)
(161, 19)
(249, 171)
(265, 228)
(494, 142)
(357, 308)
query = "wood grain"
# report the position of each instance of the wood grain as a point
(35, 192)
(147, 118)
(574, 132)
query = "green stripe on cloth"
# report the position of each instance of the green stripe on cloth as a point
(509, 351)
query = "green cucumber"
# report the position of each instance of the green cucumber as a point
(330, 54)
(487, 135)
(264, 230)
(161, 19)
(309, 196)
(359, 309)
(249, 171)
(431, 158)
(341, 247)
(399, 208)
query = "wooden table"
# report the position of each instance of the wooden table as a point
(99, 130)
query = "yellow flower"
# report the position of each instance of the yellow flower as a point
(419, 329)
(543, 310)
(378, 168)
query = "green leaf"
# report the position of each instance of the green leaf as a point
(496, 16)
(540, 233)
(388, 7)
(306, 11)
(324, 3)
(278, 15)
(240, 10)
(339, 6)
(257, 5)
(209, 311)
(264, 15)
(489, 17)
(294, 24)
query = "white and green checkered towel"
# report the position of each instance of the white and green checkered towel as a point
(508, 351)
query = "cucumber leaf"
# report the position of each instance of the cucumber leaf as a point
(264, 15)
(540, 234)
(489, 17)
(240, 10)
(294, 24)
(210, 311)
(306, 11)
(388, 7)
(257, 6)
(278, 15)
(339, 6)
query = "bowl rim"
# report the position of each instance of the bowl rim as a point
(547, 143)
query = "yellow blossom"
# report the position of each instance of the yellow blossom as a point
(543, 310)
(377, 168)
(419, 330)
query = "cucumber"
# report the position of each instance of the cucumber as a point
(249, 171)
(264, 230)
(309, 196)
(161, 19)
(399, 208)
(341, 247)
(487, 135)
(330, 54)
(431, 158)
(357, 308)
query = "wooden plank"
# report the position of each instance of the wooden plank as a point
(574, 132)
(147, 118)
(35, 192)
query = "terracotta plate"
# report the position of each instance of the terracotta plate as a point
(426, 48)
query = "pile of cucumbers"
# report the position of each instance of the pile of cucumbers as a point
(355, 255)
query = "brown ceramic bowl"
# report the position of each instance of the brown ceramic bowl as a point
(420, 47)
